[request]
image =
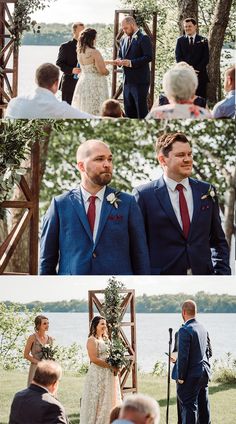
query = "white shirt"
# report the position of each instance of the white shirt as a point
(98, 205)
(174, 196)
(192, 36)
(42, 104)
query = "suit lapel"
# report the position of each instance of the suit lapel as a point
(162, 194)
(196, 203)
(77, 201)
(105, 210)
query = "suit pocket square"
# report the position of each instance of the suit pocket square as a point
(205, 207)
(115, 218)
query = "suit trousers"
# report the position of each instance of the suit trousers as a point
(68, 88)
(135, 100)
(202, 87)
(193, 397)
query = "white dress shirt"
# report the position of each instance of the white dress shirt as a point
(98, 205)
(174, 196)
(42, 104)
(191, 36)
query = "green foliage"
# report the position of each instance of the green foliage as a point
(144, 9)
(112, 306)
(224, 370)
(159, 369)
(15, 322)
(72, 358)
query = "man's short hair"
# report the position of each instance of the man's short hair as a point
(165, 142)
(46, 75)
(180, 83)
(190, 307)
(129, 20)
(75, 26)
(194, 22)
(47, 372)
(142, 404)
(85, 149)
(230, 72)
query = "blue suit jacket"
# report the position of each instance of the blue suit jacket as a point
(192, 350)
(196, 56)
(140, 54)
(120, 246)
(205, 251)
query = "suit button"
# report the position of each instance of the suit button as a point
(94, 255)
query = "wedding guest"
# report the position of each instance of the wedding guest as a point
(226, 107)
(43, 104)
(94, 229)
(92, 87)
(139, 409)
(193, 49)
(35, 342)
(182, 216)
(37, 404)
(193, 368)
(111, 108)
(102, 388)
(179, 84)
(135, 54)
(67, 62)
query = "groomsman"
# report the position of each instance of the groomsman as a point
(67, 62)
(193, 49)
(181, 216)
(135, 53)
(94, 229)
(193, 368)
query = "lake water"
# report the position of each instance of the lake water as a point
(152, 333)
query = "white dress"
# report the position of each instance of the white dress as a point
(91, 90)
(101, 391)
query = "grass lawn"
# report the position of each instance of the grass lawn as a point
(222, 396)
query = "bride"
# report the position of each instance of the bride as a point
(92, 88)
(101, 390)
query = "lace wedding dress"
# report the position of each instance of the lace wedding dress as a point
(91, 90)
(101, 391)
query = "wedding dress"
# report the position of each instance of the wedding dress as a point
(101, 391)
(91, 90)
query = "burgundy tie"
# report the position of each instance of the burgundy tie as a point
(91, 213)
(183, 210)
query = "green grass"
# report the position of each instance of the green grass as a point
(222, 396)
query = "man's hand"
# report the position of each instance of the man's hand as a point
(126, 62)
(76, 71)
(180, 381)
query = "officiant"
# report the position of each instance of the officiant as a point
(67, 62)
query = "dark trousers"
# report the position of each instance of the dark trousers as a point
(135, 100)
(193, 397)
(67, 88)
(202, 87)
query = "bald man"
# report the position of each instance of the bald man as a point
(94, 229)
(193, 368)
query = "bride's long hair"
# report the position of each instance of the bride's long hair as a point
(93, 326)
(86, 39)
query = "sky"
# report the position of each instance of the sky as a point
(87, 11)
(54, 288)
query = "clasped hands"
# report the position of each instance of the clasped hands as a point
(119, 62)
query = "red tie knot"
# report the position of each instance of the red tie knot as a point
(92, 199)
(179, 187)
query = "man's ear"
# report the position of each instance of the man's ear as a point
(161, 159)
(80, 166)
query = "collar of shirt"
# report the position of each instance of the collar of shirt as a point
(231, 93)
(190, 319)
(44, 91)
(193, 37)
(134, 34)
(86, 195)
(171, 184)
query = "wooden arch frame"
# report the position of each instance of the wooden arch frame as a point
(152, 33)
(8, 50)
(29, 218)
(128, 302)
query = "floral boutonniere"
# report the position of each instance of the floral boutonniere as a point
(113, 199)
(135, 37)
(211, 193)
(204, 40)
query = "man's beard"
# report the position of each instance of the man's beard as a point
(102, 179)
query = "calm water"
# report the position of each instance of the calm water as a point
(152, 333)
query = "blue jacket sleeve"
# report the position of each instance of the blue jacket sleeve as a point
(49, 245)
(184, 341)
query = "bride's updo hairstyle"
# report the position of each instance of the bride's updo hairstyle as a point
(86, 39)
(93, 326)
(38, 321)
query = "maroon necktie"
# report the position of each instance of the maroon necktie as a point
(183, 210)
(91, 213)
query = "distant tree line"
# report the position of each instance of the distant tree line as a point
(165, 303)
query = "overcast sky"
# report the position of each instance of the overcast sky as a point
(87, 11)
(26, 289)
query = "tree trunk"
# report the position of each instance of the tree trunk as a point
(186, 9)
(216, 38)
(229, 208)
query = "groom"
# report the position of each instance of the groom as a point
(135, 53)
(94, 229)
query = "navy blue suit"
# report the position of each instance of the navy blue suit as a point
(194, 369)
(120, 246)
(136, 77)
(205, 251)
(197, 56)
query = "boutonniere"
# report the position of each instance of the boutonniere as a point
(204, 40)
(211, 193)
(135, 37)
(113, 199)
